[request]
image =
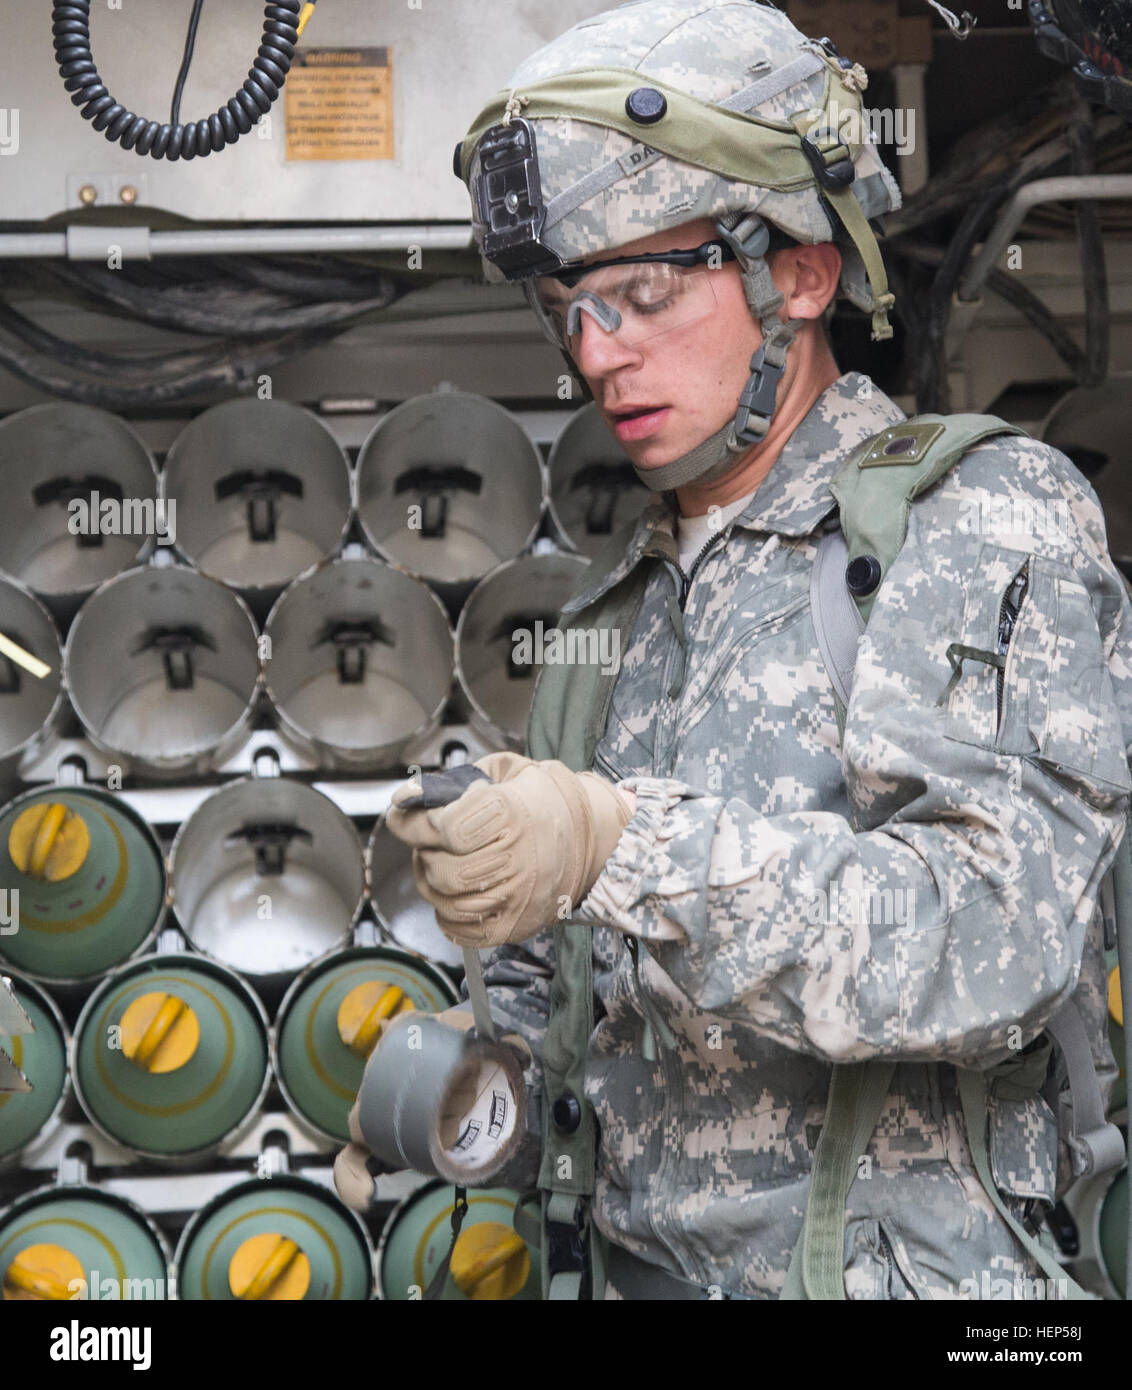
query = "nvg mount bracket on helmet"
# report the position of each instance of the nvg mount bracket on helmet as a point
(510, 199)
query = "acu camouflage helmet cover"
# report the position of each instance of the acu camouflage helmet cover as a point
(754, 118)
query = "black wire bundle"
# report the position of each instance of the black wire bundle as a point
(71, 31)
(931, 274)
(241, 329)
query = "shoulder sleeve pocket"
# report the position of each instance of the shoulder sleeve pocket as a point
(1077, 726)
(1053, 700)
(986, 707)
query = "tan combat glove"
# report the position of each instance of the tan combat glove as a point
(513, 855)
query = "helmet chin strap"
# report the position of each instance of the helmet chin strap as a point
(719, 453)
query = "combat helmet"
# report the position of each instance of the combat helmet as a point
(662, 112)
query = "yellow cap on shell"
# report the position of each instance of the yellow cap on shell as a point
(43, 1272)
(490, 1261)
(269, 1267)
(364, 1012)
(159, 1032)
(48, 841)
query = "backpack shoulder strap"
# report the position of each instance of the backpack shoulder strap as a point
(874, 489)
(838, 622)
(875, 486)
(567, 716)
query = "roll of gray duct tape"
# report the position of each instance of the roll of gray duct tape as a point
(441, 1101)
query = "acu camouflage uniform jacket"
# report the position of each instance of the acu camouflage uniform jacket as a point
(926, 892)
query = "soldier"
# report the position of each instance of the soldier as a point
(728, 897)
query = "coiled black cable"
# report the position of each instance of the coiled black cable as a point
(71, 32)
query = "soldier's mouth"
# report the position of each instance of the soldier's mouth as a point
(639, 422)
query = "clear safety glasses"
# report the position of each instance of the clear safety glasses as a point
(636, 298)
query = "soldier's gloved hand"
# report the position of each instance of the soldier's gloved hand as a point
(513, 855)
(355, 1168)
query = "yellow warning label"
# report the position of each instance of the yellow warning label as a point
(339, 104)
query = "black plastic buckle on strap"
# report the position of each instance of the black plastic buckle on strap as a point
(760, 396)
(1032, 1215)
(833, 163)
(566, 1251)
(1062, 1227)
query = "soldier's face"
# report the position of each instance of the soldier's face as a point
(687, 379)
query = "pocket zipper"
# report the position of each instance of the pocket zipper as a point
(890, 1256)
(1007, 617)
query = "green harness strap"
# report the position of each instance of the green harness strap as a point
(875, 487)
(856, 1097)
(568, 713)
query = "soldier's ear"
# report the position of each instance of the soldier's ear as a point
(808, 277)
